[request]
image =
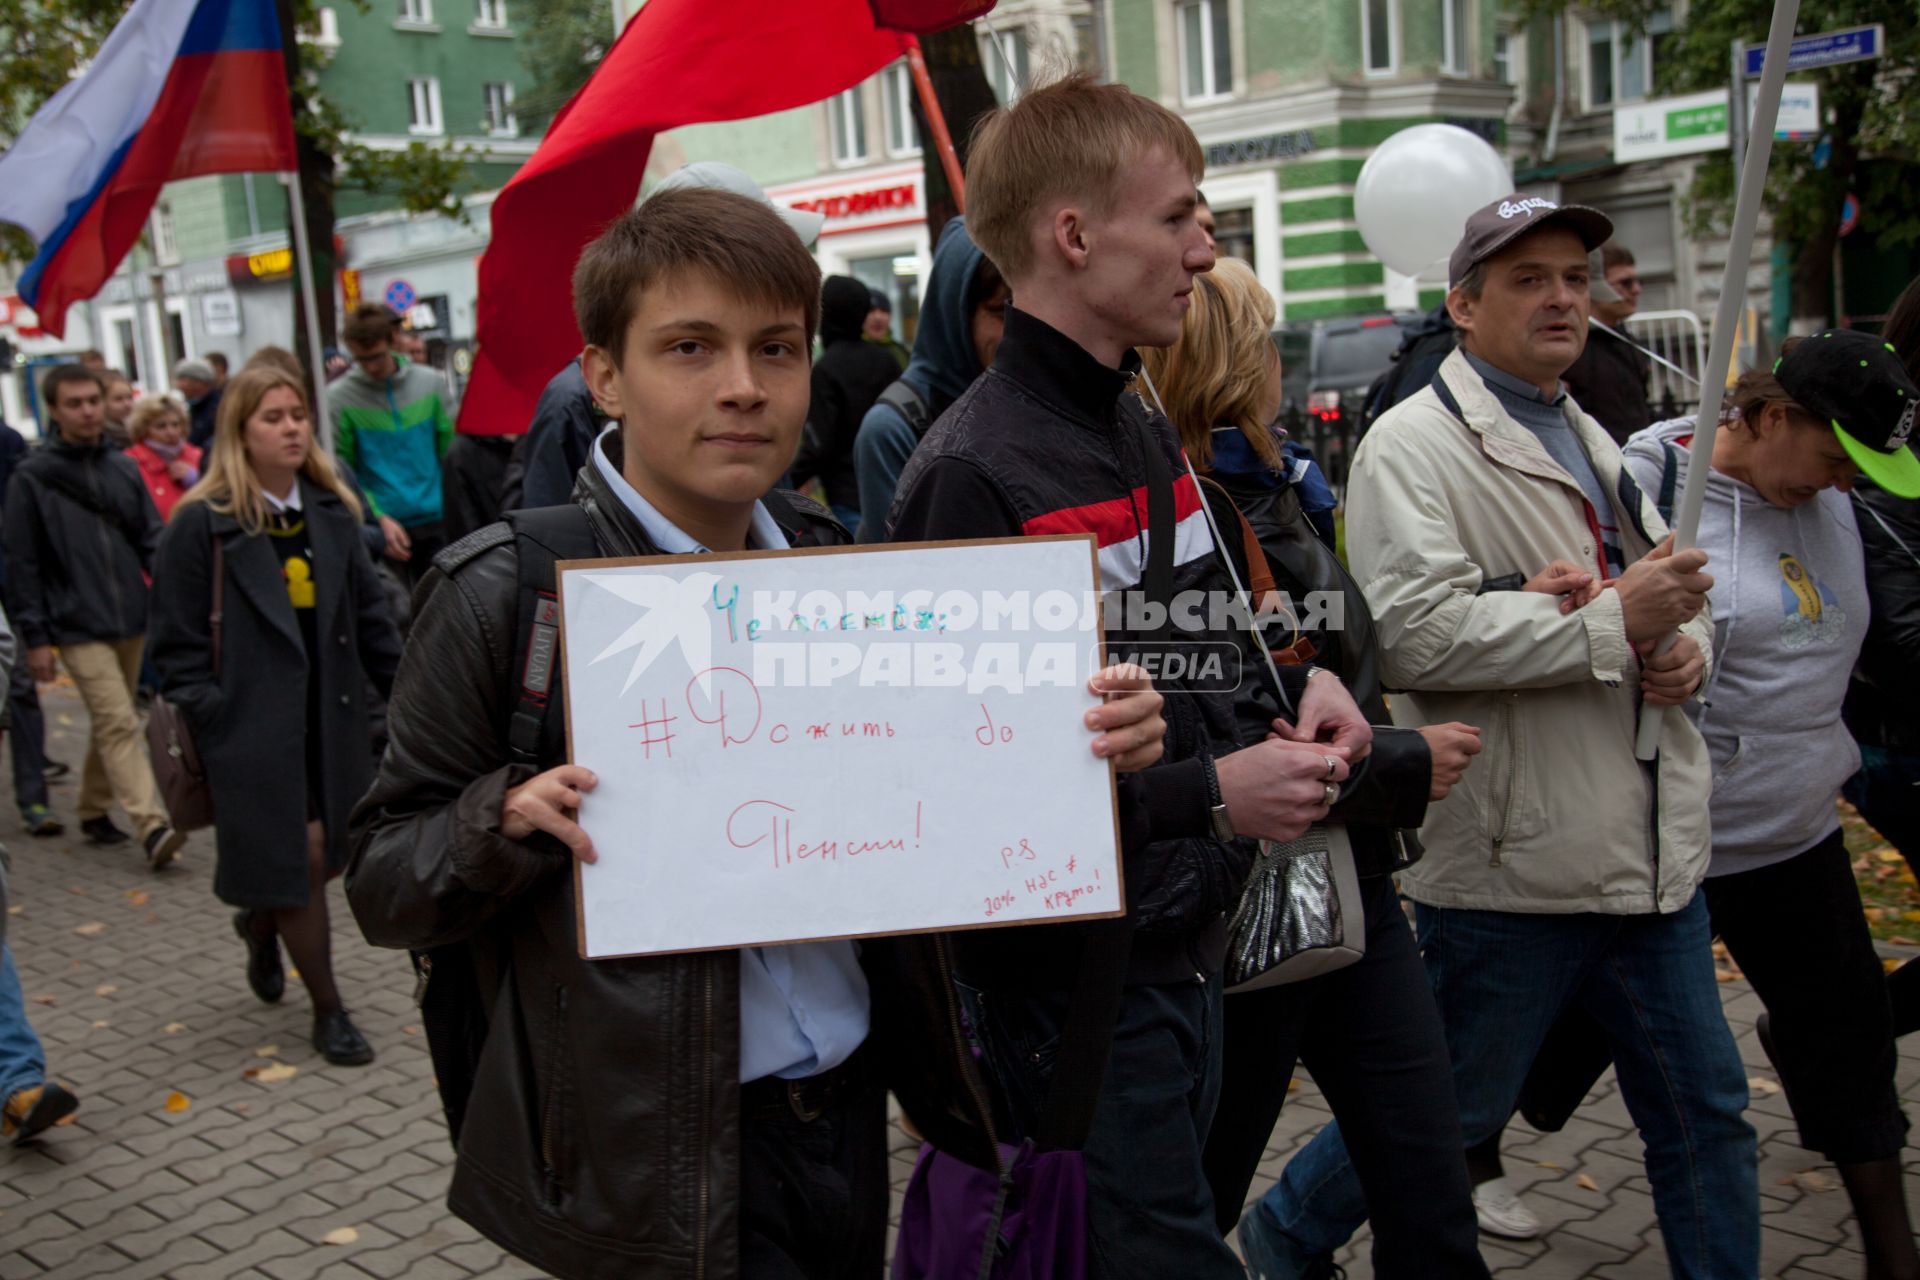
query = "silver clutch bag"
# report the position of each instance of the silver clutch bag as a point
(1300, 915)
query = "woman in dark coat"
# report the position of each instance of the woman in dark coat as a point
(281, 719)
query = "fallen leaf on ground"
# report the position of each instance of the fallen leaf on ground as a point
(14, 911)
(241, 1106)
(1761, 1085)
(46, 1000)
(340, 1235)
(293, 974)
(409, 1030)
(1724, 975)
(138, 897)
(1586, 1183)
(1548, 1164)
(178, 1102)
(277, 1072)
(105, 989)
(1899, 941)
(91, 929)
(174, 1028)
(100, 1022)
(1814, 1180)
(76, 890)
(267, 1051)
(1889, 855)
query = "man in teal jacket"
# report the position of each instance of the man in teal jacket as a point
(390, 425)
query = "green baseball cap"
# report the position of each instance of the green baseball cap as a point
(1857, 383)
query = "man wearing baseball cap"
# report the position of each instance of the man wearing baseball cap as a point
(1562, 872)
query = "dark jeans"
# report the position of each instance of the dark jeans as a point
(1372, 1038)
(1149, 1211)
(1796, 931)
(813, 1190)
(27, 734)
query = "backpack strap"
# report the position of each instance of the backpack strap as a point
(1669, 476)
(901, 397)
(543, 537)
(1447, 398)
(804, 522)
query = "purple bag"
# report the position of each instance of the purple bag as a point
(962, 1223)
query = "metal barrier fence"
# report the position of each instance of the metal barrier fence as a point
(1677, 342)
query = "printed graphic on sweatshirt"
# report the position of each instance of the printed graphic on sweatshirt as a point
(1812, 614)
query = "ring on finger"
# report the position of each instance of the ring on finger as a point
(1332, 764)
(1332, 793)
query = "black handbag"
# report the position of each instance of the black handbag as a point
(177, 767)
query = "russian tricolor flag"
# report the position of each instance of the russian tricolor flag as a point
(181, 88)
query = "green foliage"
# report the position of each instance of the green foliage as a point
(560, 50)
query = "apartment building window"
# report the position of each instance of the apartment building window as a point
(1503, 69)
(847, 122)
(1206, 51)
(166, 249)
(1005, 57)
(490, 13)
(1453, 36)
(416, 11)
(423, 105)
(896, 88)
(1380, 36)
(1619, 63)
(499, 107)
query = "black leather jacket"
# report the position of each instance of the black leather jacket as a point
(80, 536)
(601, 1139)
(1883, 702)
(1385, 805)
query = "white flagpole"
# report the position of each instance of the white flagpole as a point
(303, 275)
(1733, 297)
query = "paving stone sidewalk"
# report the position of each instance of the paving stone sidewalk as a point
(135, 983)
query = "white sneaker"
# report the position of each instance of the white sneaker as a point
(1502, 1212)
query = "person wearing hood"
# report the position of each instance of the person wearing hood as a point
(390, 425)
(1609, 380)
(962, 316)
(878, 329)
(847, 378)
(1790, 610)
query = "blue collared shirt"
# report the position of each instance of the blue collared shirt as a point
(803, 1007)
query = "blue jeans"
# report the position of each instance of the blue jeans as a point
(1149, 1211)
(26, 734)
(1501, 979)
(23, 1063)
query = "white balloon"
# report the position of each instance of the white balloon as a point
(1418, 187)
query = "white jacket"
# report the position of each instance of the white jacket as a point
(1555, 814)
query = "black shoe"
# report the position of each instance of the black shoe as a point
(33, 1111)
(39, 822)
(101, 830)
(55, 769)
(264, 974)
(339, 1042)
(163, 845)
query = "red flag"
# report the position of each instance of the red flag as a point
(924, 17)
(678, 62)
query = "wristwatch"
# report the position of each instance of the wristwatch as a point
(1313, 671)
(1216, 804)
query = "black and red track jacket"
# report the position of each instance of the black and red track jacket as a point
(1049, 441)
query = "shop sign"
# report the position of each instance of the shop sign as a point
(854, 204)
(261, 268)
(1267, 147)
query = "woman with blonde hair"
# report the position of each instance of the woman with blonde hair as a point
(276, 696)
(1370, 1032)
(169, 465)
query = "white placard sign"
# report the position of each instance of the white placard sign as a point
(837, 742)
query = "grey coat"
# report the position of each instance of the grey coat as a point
(250, 721)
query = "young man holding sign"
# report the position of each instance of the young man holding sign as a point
(1084, 196)
(717, 1114)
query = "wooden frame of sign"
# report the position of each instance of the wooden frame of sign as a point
(566, 567)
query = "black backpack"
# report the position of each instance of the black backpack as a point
(1421, 351)
(905, 401)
